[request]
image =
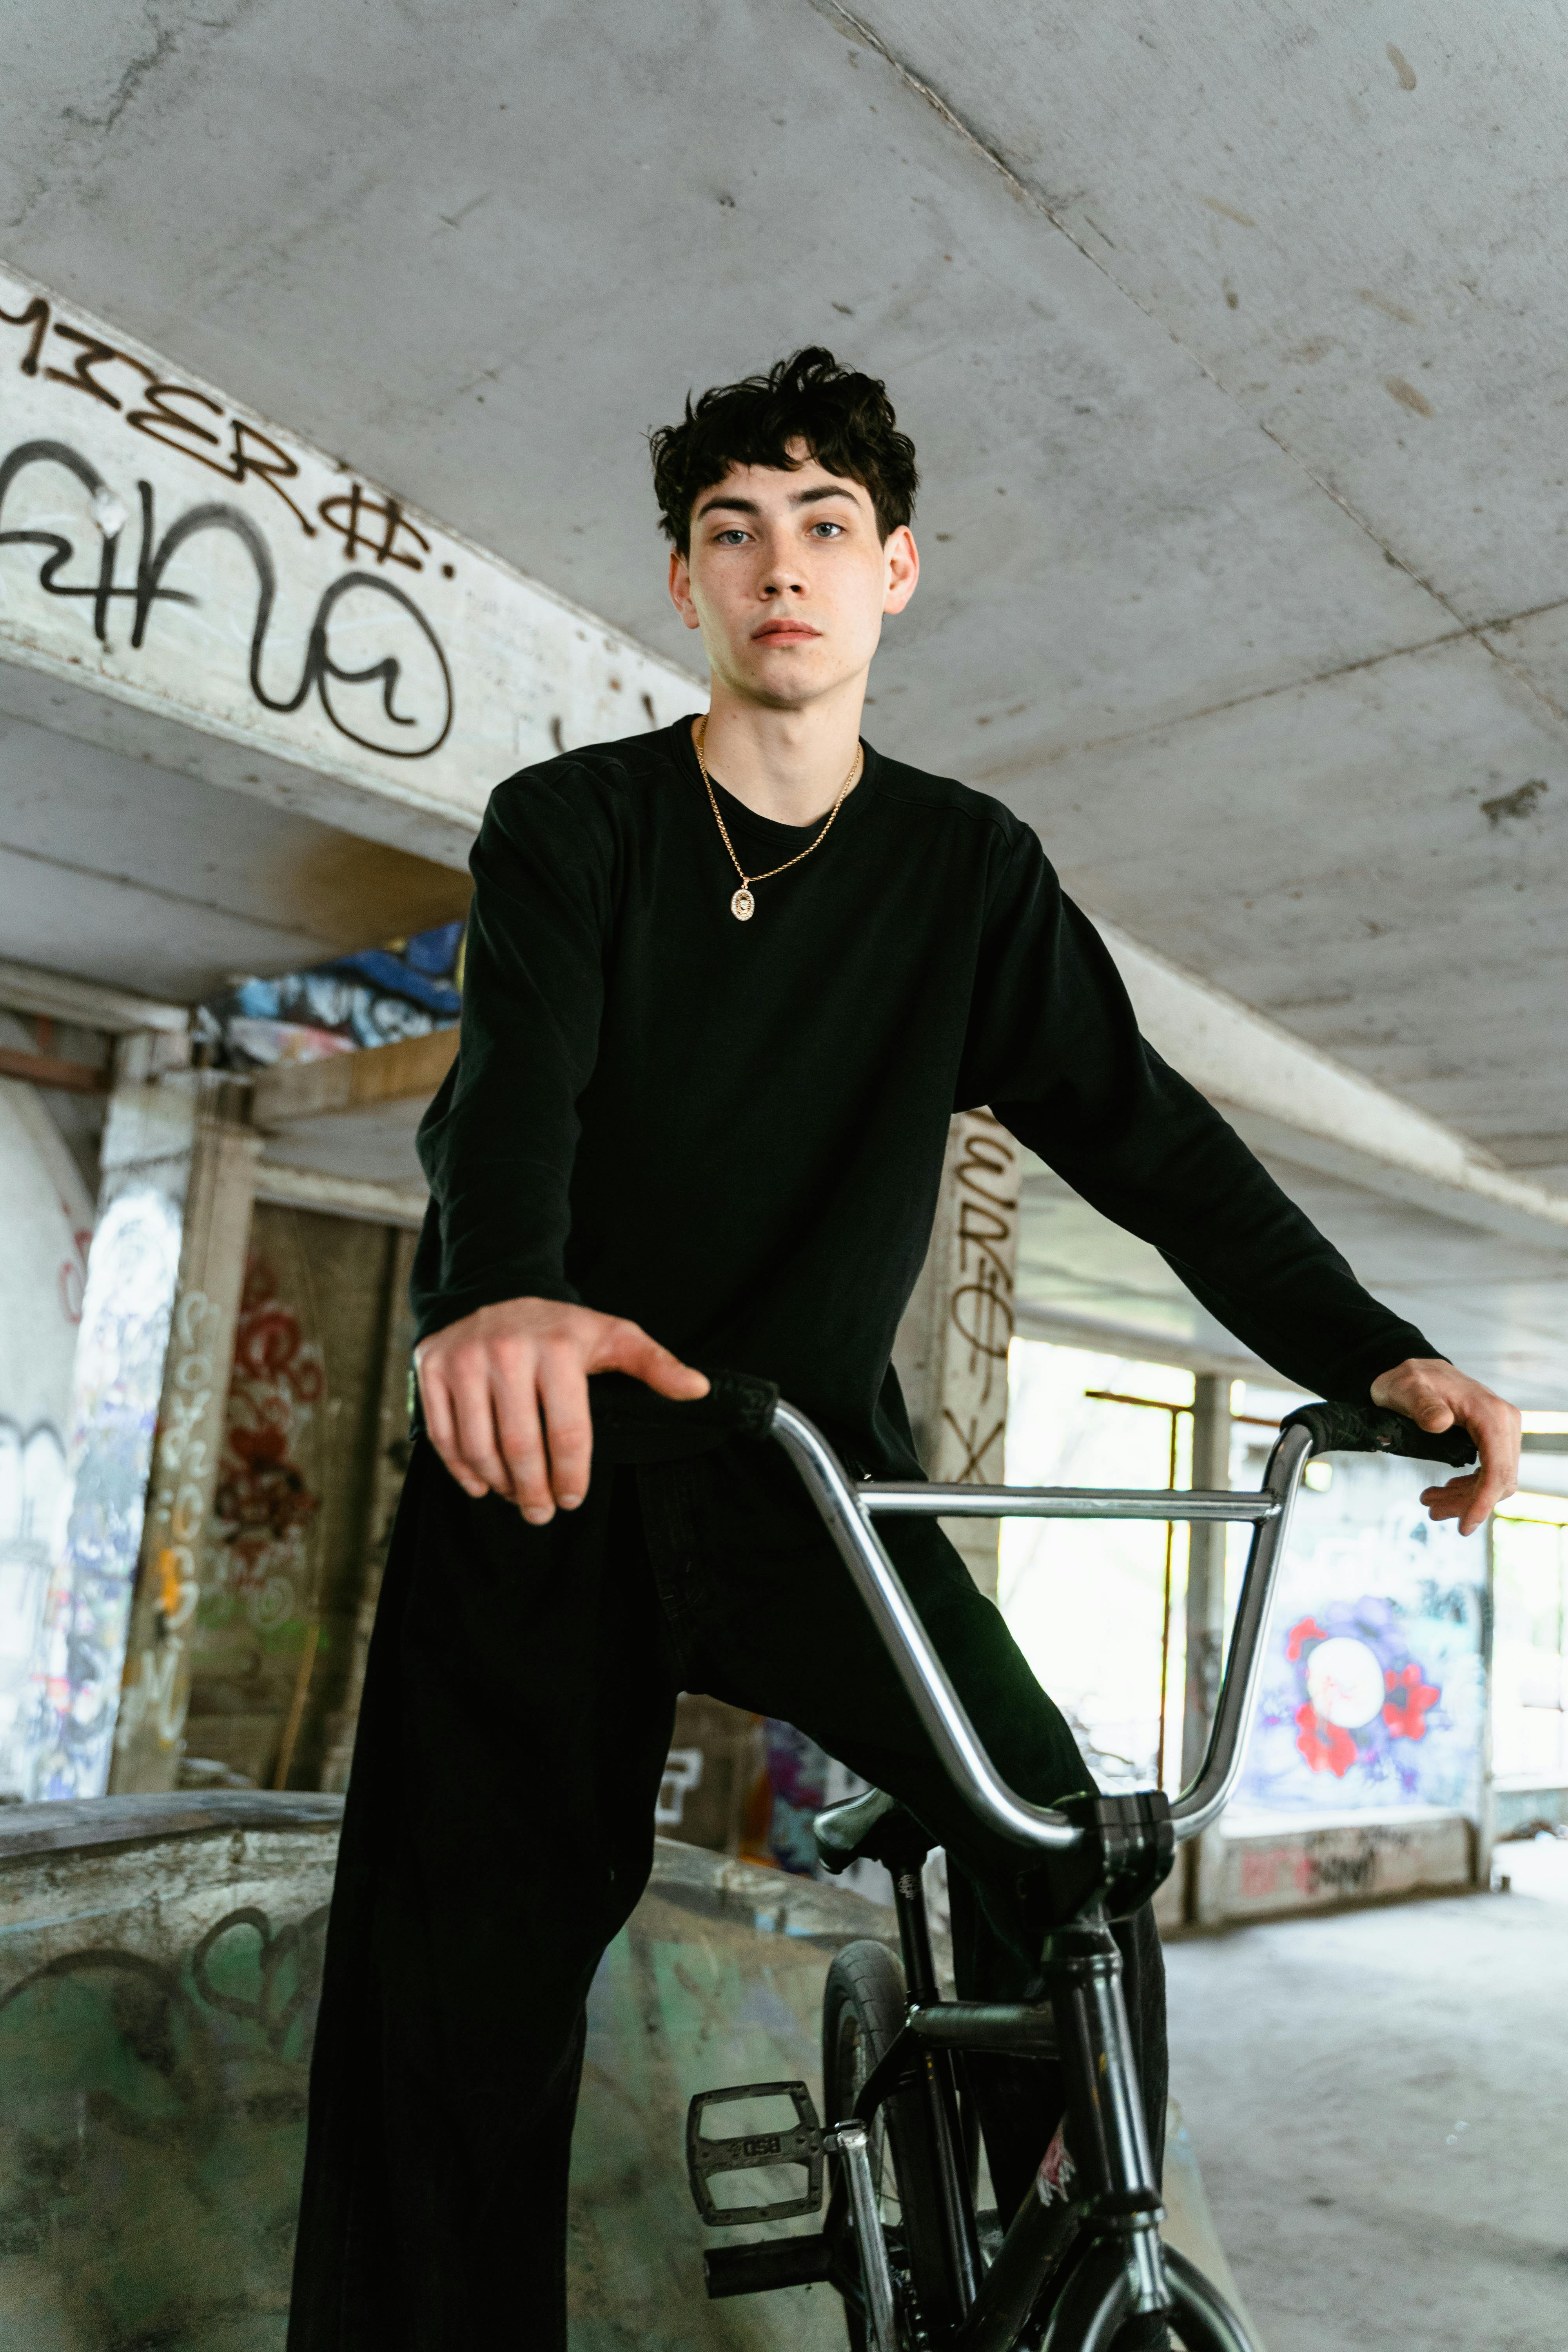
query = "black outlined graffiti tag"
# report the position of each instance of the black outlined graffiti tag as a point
(321, 672)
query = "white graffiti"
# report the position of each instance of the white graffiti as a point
(34, 1499)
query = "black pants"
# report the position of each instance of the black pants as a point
(498, 1830)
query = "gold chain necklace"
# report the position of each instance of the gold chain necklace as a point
(743, 906)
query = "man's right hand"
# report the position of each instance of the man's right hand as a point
(506, 1396)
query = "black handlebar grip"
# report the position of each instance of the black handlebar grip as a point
(1373, 1429)
(632, 1424)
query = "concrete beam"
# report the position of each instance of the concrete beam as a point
(1297, 1104)
(340, 1084)
(258, 608)
(340, 1196)
(85, 1003)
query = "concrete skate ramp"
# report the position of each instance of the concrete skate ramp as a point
(160, 1959)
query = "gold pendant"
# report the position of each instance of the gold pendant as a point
(743, 906)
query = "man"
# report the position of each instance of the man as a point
(726, 983)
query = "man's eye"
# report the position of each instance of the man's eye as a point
(832, 529)
(731, 538)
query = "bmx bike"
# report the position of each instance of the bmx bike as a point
(919, 2267)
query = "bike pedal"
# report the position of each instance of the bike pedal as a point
(754, 2152)
(759, 2269)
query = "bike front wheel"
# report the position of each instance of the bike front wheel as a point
(863, 2011)
(1092, 2314)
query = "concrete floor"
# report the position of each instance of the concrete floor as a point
(1378, 2103)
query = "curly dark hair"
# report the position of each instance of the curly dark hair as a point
(845, 419)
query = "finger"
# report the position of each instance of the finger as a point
(439, 1426)
(630, 1350)
(516, 1407)
(1468, 1499)
(1495, 1479)
(1447, 1501)
(475, 1440)
(569, 1428)
(1433, 1414)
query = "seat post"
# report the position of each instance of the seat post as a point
(914, 1934)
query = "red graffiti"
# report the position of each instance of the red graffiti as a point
(268, 1345)
(1327, 1747)
(264, 1503)
(1309, 1629)
(1405, 1710)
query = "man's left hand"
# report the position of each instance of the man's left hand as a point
(1435, 1396)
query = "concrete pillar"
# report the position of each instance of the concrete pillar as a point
(393, 1414)
(951, 1349)
(163, 1288)
(1485, 1819)
(1205, 1624)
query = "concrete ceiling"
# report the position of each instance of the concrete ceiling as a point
(1229, 337)
(1495, 1305)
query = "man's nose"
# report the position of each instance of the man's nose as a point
(782, 575)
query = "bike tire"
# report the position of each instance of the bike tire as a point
(1204, 2321)
(1092, 2312)
(863, 2011)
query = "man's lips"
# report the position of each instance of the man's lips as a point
(783, 633)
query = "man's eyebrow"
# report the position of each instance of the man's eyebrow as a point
(733, 506)
(737, 505)
(824, 490)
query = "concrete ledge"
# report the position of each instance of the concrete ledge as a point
(1256, 1872)
(78, 1822)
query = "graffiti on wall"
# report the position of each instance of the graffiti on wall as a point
(33, 1499)
(44, 1214)
(158, 541)
(123, 1340)
(321, 672)
(259, 1561)
(151, 2130)
(981, 1198)
(1374, 1691)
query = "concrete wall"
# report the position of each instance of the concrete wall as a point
(46, 1213)
(315, 1440)
(1247, 1869)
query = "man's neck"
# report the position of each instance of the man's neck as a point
(789, 765)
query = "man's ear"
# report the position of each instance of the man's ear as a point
(681, 588)
(903, 562)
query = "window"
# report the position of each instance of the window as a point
(1530, 1555)
(1098, 1606)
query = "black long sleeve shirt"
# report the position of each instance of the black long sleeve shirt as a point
(733, 1132)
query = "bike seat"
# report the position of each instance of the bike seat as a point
(873, 1827)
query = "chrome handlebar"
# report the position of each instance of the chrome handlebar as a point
(849, 1507)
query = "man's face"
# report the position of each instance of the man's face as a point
(788, 580)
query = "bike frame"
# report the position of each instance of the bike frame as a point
(1101, 2201)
